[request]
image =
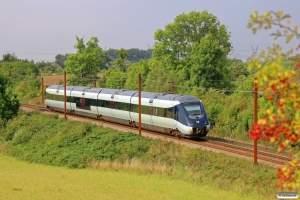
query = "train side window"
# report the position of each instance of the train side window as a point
(93, 102)
(50, 96)
(160, 112)
(58, 97)
(100, 103)
(103, 104)
(77, 101)
(134, 108)
(144, 110)
(170, 112)
(121, 106)
(106, 104)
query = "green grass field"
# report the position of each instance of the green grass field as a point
(21, 180)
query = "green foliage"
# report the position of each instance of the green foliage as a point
(175, 43)
(9, 57)
(271, 18)
(159, 79)
(236, 69)
(49, 68)
(213, 110)
(84, 64)
(27, 89)
(208, 63)
(245, 120)
(19, 68)
(9, 104)
(115, 78)
(24, 83)
(120, 61)
(134, 55)
(48, 140)
(60, 60)
(141, 67)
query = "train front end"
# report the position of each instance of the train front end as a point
(192, 118)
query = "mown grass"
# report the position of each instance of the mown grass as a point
(20, 180)
(57, 142)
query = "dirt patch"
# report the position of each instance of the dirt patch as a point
(53, 80)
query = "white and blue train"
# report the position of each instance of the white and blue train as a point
(178, 115)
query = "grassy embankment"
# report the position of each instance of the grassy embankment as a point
(52, 141)
(20, 180)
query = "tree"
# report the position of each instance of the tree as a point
(120, 61)
(208, 62)
(115, 78)
(141, 67)
(280, 124)
(84, 65)
(8, 57)
(136, 55)
(175, 44)
(159, 79)
(237, 68)
(19, 68)
(9, 104)
(112, 54)
(60, 60)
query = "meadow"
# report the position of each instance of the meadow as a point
(21, 180)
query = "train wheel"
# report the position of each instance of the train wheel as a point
(133, 124)
(100, 117)
(176, 133)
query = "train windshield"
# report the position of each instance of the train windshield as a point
(192, 109)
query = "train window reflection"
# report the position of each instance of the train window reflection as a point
(193, 108)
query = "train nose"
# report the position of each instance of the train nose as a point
(207, 128)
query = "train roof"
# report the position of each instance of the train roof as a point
(134, 93)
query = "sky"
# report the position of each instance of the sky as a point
(39, 30)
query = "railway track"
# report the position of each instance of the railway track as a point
(245, 151)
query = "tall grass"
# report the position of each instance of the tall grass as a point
(20, 180)
(52, 141)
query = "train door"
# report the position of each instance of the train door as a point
(82, 102)
(112, 106)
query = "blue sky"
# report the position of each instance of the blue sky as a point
(39, 30)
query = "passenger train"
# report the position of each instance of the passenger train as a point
(179, 115)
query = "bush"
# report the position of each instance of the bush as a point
(46, 139)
